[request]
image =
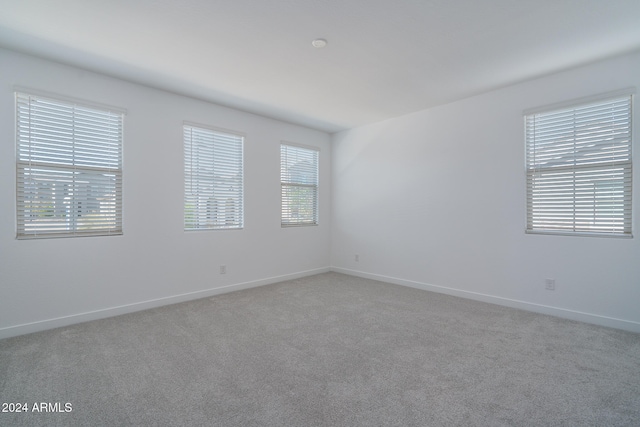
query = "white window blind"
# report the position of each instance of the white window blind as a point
(579, 169)
(213, 193)
(69, 168)
(299, 181)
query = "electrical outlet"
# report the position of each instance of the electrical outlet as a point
(223, 269)
(550, 284)
(357, 258)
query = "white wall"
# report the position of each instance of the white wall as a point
(44, 282)
(436, 200)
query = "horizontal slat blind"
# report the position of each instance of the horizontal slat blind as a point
(69, 169)
(579, 170)
(213, 195)
(299, 181)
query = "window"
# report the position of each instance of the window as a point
(213, 181)
(69, 168)
(578, 161)
(299, 181)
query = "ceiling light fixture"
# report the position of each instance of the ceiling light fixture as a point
(319, 43)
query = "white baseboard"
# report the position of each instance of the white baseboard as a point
(42, 325)
(27, 328)
(595, 319)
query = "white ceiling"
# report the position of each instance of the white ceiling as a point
(385, 58)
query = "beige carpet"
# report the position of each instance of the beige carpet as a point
(326, 350)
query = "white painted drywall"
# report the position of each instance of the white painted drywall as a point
(43, 282)
(436, 199)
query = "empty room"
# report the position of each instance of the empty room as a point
(319, 213)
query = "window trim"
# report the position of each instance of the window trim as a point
(69, 99)
(48, 166)
(316, 186)
(220, 131)
(575, 105)
(579, 101)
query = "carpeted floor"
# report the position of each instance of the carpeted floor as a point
(326, 350)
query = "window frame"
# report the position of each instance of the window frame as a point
(573, 168)
(78, 177)
(300, 185)
(217, 134)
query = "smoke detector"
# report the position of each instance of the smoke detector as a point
(319, 43)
